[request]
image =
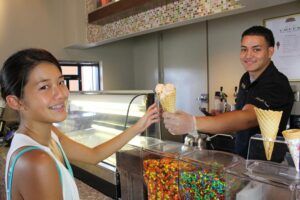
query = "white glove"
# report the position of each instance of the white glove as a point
(194, 132)
(179, 123)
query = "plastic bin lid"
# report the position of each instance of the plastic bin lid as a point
(266, 171)
(144, 142)
(169, 148)
(212, 157)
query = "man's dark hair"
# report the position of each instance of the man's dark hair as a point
(261, 31)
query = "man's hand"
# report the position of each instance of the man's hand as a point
(179, 123)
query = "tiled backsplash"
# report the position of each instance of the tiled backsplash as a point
(167, 14)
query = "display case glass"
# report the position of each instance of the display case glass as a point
(94, 118)
(202, 174)
(160, 169)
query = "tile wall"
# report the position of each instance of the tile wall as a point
(164, 15)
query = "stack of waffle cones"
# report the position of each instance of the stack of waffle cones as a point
(292, 138)
(268, 121)
(167, 97)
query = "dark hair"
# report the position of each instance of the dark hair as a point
(261, 31)
(16, 69)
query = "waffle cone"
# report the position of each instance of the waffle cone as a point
(168, 103)
(292, 138)
(291, 134)
(268, 121)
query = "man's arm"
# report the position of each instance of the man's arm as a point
(182, 123)
(228, 122)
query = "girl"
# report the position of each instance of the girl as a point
(37, 163)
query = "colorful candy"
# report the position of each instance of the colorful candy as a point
(161, 177)
(201, 184)
(167, 179)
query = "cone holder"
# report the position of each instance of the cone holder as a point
(276, 170)
(262, 180)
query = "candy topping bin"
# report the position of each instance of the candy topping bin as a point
(160, 170)
(129, 165)
(202, 174)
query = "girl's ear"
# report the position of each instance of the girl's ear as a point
(13, 102)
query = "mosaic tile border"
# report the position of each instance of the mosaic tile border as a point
(167, 14)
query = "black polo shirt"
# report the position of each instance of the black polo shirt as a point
(271, 90)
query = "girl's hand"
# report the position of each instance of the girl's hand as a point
(150, 117)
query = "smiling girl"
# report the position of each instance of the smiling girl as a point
(37, 162)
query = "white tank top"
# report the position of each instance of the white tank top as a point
(69, 188)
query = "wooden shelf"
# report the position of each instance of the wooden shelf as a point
(121, 9)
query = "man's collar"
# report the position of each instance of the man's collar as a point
(266, 73)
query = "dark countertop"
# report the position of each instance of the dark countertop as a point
(86, 192)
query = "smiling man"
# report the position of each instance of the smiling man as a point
(261, 86)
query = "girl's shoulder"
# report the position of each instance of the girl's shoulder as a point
(34, 161)
(36, 174)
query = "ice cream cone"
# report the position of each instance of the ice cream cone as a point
(292, 137)
(167, 96)
(268, 121)
(168, 103)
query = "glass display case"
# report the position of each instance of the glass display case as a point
(160, 169)
(94, 118)
(202, 174)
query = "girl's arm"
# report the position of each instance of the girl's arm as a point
(79, 152)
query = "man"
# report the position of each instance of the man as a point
(262, 86)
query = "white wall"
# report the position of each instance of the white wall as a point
(52, 25)
(145, 61)
(74, 22)
(185, 64)
(32, 23)
(180, 53)
(116, 59)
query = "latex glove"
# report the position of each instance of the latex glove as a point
(179, 123)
